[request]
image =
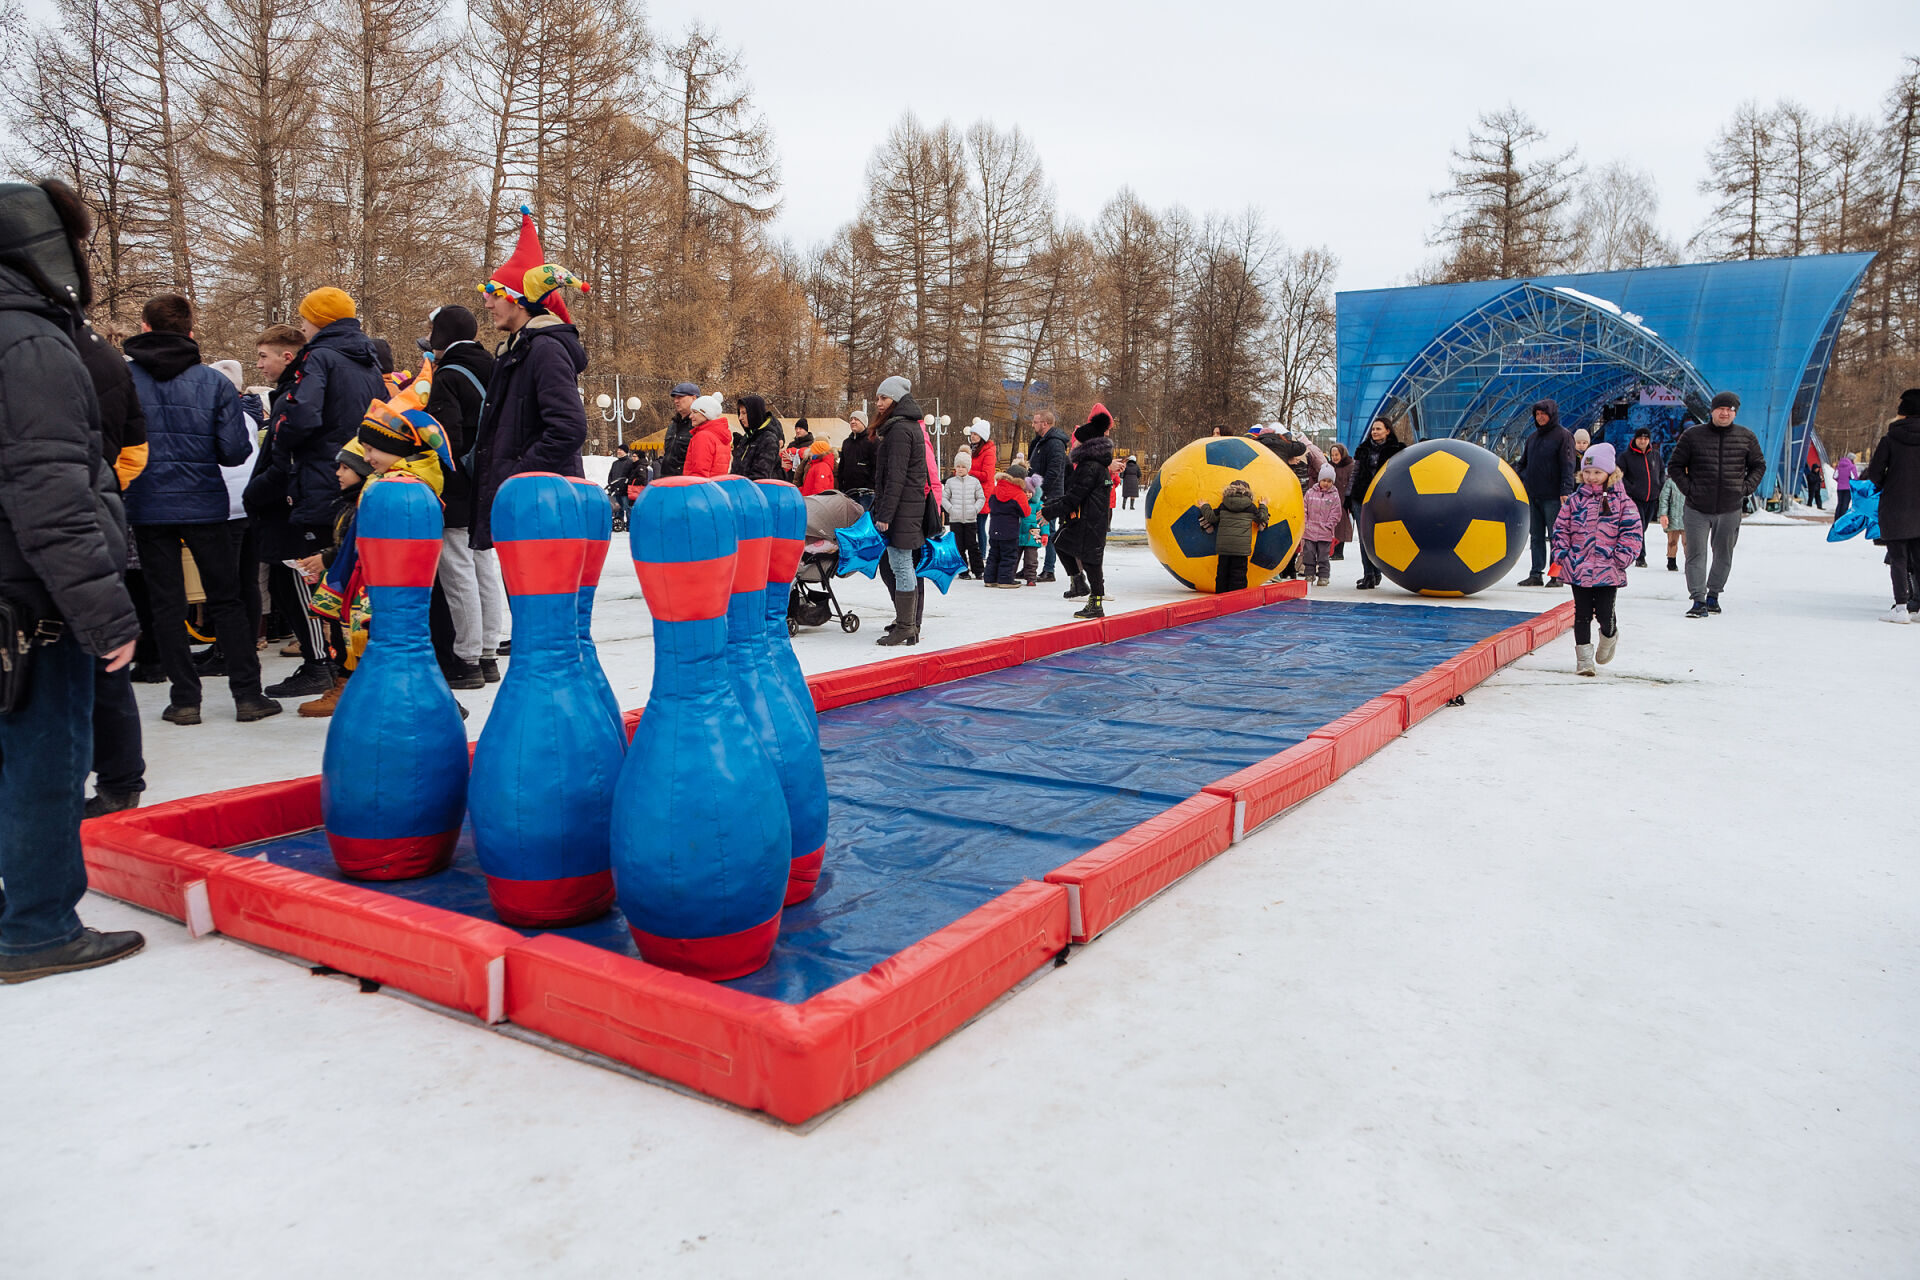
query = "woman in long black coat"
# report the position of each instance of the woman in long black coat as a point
(1372, 454)
(1895, 472)
(1085, 512)
(1130, 482)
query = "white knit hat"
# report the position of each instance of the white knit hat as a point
(710, 405)
(980, 427)
(963, 460)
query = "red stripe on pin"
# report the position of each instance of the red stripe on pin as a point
(784, 560)
(803, 873)
(731, 955)
(686, 590)
(393, 858)
(551, 904)
(540, 566)
(596, 560)
(750, 565)
(399, 562)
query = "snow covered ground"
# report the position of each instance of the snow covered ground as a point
(1588, 977)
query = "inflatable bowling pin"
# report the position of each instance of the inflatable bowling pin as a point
(545, 765)
(393, 779)
(701, 840)
(796, 724)
(599, 539)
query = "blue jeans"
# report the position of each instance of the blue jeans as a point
(46, 750)
(900, 560)
(1545, 512)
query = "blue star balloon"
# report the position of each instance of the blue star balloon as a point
(939, 560)
(1863, 516)
(861, 546)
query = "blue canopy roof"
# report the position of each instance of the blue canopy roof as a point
(1468, 359)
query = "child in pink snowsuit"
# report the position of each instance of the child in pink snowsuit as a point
(1597, 535)
(1323, 517)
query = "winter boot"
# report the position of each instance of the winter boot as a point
(102, 803)
(1532, 580)
(322, 707)
(1583, 660)
(1603, 651)
(1713, 602)
(1641, 562)
(248, 707)
(1079, 587)
(1699, 610)
(1092, 609)
(1672, 565)
(490, 670)
(903, 631)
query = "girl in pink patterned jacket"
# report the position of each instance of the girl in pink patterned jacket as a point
(1596, 537)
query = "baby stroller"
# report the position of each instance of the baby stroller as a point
(811, 602)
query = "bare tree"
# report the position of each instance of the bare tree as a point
(1615, 220)
(1800, 179)
(726, 148)
(1506, 208)
(1302, 338)
(1741, 165)
(1015, 210)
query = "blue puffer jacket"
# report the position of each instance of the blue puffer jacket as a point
(194, 427)
(335, 377)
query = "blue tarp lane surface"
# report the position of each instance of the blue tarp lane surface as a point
(946, 797)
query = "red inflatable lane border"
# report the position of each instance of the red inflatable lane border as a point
(1109, 881)
(792, 1061)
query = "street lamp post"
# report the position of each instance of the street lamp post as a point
(939, 422)
(617, 411)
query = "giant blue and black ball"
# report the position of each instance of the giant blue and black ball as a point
(1444, 518)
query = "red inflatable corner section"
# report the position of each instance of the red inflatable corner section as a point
(1425, 694)
(243, 815)
(863, 684)
(148, 870)
(1263, 791)
(944, 665)
(1119, 875)
(1363, 731)
(1044, 643)
(791, 1061)
(434, 954)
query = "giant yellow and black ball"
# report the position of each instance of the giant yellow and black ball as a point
(1444, 518)
(1197, 475)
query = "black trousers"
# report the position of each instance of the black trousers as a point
(213, 550)
(966, 540)
(1232, 575)
(1903, 566)
(1095, 572)
(292, 597)
(117, 763)
(1590, 603)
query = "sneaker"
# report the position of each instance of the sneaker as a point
(1898, 615)
(210, 662)
(1699, 610)
(177, 713)
(102, 803)
(254, 706)
(1045, 577)
(1606, 647)
(490, 670)
(506, 648)
(88, 951)
(309, 679)
(1713, 603)
(1532, 580)
(462, 675)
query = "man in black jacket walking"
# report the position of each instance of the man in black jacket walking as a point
(1644, 475)
(1717, 465)
(1547, 467)
(63, 549)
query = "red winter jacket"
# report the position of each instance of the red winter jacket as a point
(710, 452)
(818, 477)
(983, 467)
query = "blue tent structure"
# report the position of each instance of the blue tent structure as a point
(1467, 360)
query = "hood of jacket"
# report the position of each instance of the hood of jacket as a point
(346, 337)
(18, 293)
(753, 412)
(905, 407)
(164, 355)
(470, 356)
(1905, 431)
(553, 326)
(1238, 497)
(1098, 449)
(714, 426)
(1551, 409)
(1098, 423)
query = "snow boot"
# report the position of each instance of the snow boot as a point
(1608, 645)
(1583, 660)
(1078, 589)
(249, 707)
(1673, 566)
(309, 679)
(1092, 609)
(322, 707)
(904, 630)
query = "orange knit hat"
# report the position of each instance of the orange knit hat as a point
(325, 305)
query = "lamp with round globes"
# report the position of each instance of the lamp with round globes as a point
(617, 409)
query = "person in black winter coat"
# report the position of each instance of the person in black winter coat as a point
(462, 370)
(1047, 458)
(534, 418)
(1644, 475)
(1130, 483)
(1368, 457)
(855, 472)
(1085, 510)
(900, 500)
(756, 452)
(1716, 466)
(1548, 463)
(63, 549)
(1895, 471)
(673, 450)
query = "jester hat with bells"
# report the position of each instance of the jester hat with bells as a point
(529, 278)
(400, 428)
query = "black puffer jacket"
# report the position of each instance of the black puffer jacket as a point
(1645, 475)
(1895, 471)
(455, 403)
(1085, 510)
(1716, 467)
(1368, 457)
(856, 462)
(1547, 462)
(756, 454)
(534, 419)
(63, 541)
(1047, 458)
(335, 377)
(900, 476)
(673, 452)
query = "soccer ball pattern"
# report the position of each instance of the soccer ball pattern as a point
(1444, 518)
(1199, 474)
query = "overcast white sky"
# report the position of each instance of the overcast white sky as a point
(1333, 118)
